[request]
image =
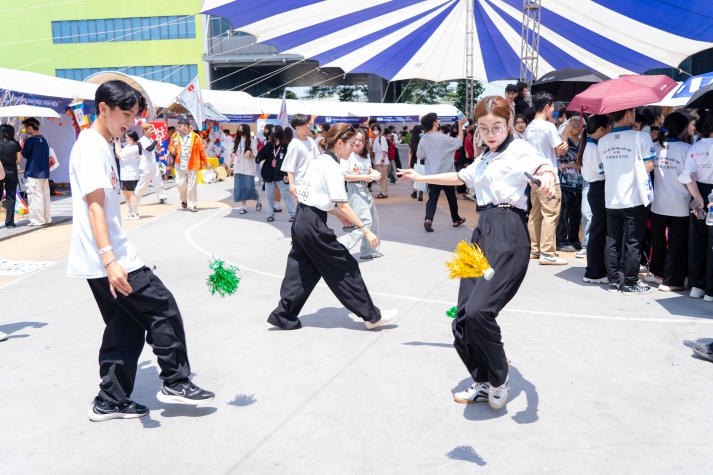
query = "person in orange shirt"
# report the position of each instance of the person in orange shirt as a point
(187, 147)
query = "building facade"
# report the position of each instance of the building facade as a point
(161, 40)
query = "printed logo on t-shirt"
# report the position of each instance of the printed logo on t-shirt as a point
(115, 185)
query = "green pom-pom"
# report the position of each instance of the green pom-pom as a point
(223, 279)
(451, 312)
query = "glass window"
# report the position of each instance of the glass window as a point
(109, 27)
(191, 27)
(64, 38)
(181, 25)
(164, 27)
(101, 31)
(155, 29)
(91, 31)
(56, 33)
(145, 33)
(83, 37)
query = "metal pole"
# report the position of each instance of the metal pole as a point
(469, 58)
(530, 46)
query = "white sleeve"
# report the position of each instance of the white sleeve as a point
(335, 184)
(90, 171)
(554, 137)
(646, 147)
(288, 164)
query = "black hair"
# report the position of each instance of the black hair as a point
(676, 124)
(239, 136)
(31, 122)
(366, 147)
(707, 126)
(135, 137)
(119, 94)
(618, 115)
(428, 120)
(184, 122)
(325, 128)
(299, 119)
(277, 135)
(375, 126)
(7, 133)
(288, 136)
(541, 100)
(650, 114)
(511, 88)
(593, 123)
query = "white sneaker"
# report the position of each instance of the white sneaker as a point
(601, 280)
(498, 396)
(581, 254)
(696, 293)
(708, 298)
(670, 288)
(3, 336)
(477, 392)
(551, 261)
(386, 317)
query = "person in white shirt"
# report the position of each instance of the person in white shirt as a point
(129, 160)
(499, 180)
(134, 303)
(315, 252)
(245, 171)
(301, 153)
(437, 151)
(627, 157)
(669, 207)
(544, 215)
(149, 171)
(380, 152)
(595, 128)
(698, 178)
(358, 174)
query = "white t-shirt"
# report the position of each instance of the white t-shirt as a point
(671, 197)
(619, 151)
(381, 150)
(300, 155)
(323, 184)
(543, 135)
(92, 167)
(699, 162)
(499, 177)
(438, 150)
(244, 163)
(129, 162)
(148, 158)
(592, 168)
(356, 165)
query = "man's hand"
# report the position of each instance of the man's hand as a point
(118, 279)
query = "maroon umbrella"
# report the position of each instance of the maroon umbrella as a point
(622, 93)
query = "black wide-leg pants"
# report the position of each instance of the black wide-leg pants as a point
(625, 231)
(316, 254)
(669, 257)
(502, 235)
(149, 312)
(700, 247)
(596, 267)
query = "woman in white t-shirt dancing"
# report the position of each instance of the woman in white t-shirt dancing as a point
(129, 158)
(358, 174)
(315, 252)
(499, 180)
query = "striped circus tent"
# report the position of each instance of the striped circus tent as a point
(425, 39)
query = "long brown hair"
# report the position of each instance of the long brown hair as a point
(337, 132)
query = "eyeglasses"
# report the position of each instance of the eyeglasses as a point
(496, 131)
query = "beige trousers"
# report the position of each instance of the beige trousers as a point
(542, 224)
(186, 182)
(38, 200)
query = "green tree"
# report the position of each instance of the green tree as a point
(290, 95)
(345, 93)
(458, 98)
(425, 92)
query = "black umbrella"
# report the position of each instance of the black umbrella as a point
(566, 83)
(702, 98)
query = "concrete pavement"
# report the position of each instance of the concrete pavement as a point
(601, 383)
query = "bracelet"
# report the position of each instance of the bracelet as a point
(113, 259)
(104, 250)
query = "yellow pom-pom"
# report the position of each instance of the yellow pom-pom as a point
(469, 262)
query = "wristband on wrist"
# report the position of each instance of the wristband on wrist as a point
(113, 259)
(104, 250)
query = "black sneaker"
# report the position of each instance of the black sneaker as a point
(638, 288)
(614, 287)
(184, 205)
(103, 410)
(184, 393)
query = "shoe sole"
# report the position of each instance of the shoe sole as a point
(175, 399)
(94, 417)
(703, 354)
(548, 263)
(594, 281)
(479, 398)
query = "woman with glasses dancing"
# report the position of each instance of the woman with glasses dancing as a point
(499, 180)
(315, 252)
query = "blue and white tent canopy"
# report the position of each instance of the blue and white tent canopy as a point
(425, 39)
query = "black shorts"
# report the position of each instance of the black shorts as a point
(129, 185)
